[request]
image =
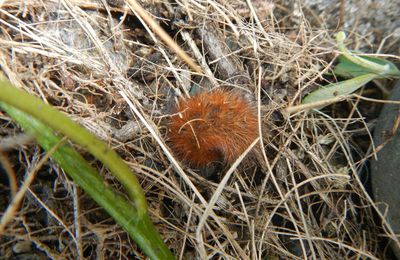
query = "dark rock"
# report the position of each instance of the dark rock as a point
(385, 173)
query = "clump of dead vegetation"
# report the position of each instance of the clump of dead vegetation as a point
(299, 195)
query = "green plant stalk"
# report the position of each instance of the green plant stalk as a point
(141, 229)
(377, 68)
(61, 123)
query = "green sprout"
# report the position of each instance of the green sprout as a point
(361, 69)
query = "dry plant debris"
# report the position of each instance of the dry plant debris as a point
(299, 194)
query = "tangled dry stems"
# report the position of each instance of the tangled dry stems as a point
(299, 195)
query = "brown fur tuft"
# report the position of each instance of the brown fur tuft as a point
(214, 126)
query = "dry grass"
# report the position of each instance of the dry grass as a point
(299, 195)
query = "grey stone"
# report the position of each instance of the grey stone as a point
(385, 172)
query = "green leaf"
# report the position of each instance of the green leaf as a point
(333, 90)
(348, 69)
(139, 226)
(377, 68)
(62, 124)
(360, 68)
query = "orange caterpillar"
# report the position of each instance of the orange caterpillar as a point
(214, 126)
